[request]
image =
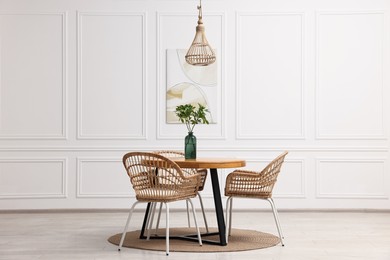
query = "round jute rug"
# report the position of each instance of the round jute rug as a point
(240, 240)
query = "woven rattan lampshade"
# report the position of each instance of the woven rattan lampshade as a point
(200, 52)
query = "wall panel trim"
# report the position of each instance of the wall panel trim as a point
(63, 161)
(239, 135)
(373, 149)
(318, 135)
(81, 194)
(320, 195)
(64, 134)
(80, 135)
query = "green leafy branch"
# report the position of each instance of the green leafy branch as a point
(189, 115)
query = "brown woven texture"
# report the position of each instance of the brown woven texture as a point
(252, 184)
(240, 240)
(201, 172)
(155, 178)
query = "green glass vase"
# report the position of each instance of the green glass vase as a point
(190, 146)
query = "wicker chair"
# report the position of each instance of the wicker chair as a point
(251, 184)
(188, 172)
(155, 179)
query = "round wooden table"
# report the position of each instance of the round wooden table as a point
(213, 164)
(210, 163)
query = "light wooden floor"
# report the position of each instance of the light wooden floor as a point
(308, 235)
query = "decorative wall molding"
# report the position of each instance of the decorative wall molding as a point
(319, 181)
(239, 135)
(357, 149)
(82, 194)
(64, 174)
(161, 84)
(80, 135)
(63, 135)
(72, 169)
(351, 136)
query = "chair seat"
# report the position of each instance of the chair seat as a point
(249, 194)
(162, 195)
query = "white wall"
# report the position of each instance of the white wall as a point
(83, 82)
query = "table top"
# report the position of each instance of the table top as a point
(211, 163)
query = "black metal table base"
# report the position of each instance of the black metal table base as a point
(191, 237)
(218, 212)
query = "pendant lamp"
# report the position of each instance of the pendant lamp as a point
(200, 52)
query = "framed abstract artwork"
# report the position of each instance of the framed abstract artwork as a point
(188, 84)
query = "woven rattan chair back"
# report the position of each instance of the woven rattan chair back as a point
(245, 183)
(186, 171)
(156, 178)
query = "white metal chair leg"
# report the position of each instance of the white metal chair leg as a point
(231, 216)
(167, 229)
(127, 225)
(204, 215)
(188, 215)
(276, 217)
(227, 218)
(196, 223)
